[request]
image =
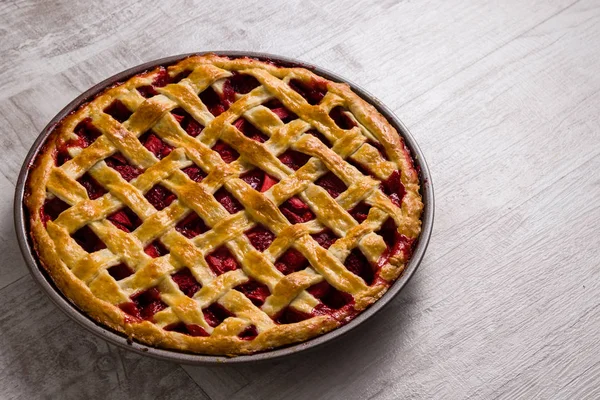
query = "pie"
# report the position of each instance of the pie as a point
(224, 205)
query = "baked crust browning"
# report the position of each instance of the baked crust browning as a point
(224, 206)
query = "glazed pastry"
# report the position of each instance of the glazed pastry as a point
(224, 206)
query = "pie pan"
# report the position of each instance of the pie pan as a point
(42, 278)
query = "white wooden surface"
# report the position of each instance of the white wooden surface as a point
(504, 99)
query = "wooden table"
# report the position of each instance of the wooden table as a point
(504, 99)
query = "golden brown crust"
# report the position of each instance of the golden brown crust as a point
(83, 277)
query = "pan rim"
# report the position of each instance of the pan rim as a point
(41, 278)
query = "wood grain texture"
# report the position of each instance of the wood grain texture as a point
(504, 99)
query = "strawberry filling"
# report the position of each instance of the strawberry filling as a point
(255, 291)
(291, 261)
(160, 197)
(215, 314)
(191, 226)
(296, 211)
(155, 145)
(325, 238)
(122, 166)
(187, 122)
(260, 237)
(228, 201)
(144, 305)
(395, 241)
(258, 180)
(195, 173)
(313, 92)
(227, 153)
(279, 109)
(358, 264)
(294, 159)
(92, 187)
(118, 111)
(242, 84)
(186, 282)
(332, 184)
(250, 131)
(394, 188)
(360, 212)
(341, 119)
(52, 208)
(156, 249)
(187, 329)
(88, 239)
(120, 271)
(125, 219)
(221, 260)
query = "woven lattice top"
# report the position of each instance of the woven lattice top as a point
(224, 206)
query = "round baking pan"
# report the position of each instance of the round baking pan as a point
(42, 278)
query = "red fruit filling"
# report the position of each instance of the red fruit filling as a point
(294, 159)
(215, 105)
(120, 271)
(125, 219)
(227, 153)
(87, 133)
(144, 305)
(156, 249)
(187, 122)
(156, 146)
(93, 188)
(147, 91)
(195, 173)
(162, 78)
(290, 315)
(255, 291)
(279, 109)
(221, 260)
(160, 197)
(241, 83)
(249, 333)
(296, 211)
(118, 111)
(215, 314)
(88, 239)
(62, 155)
(182, 75)
(331, 298)
(291, 261)
(191, 226)
(312, 92)
(325, 238)
(260, 237)
(258, 180)
(186, 282)
(339, 116)
(52, 208)
(332, 184)
(228, 95)
(122, 166)
(360, 212)
(358, 264)
(395, 242)
(186, 329)
(228, 201)
(394, 188)
(250, 131)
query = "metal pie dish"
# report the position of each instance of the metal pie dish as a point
(39, 274)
